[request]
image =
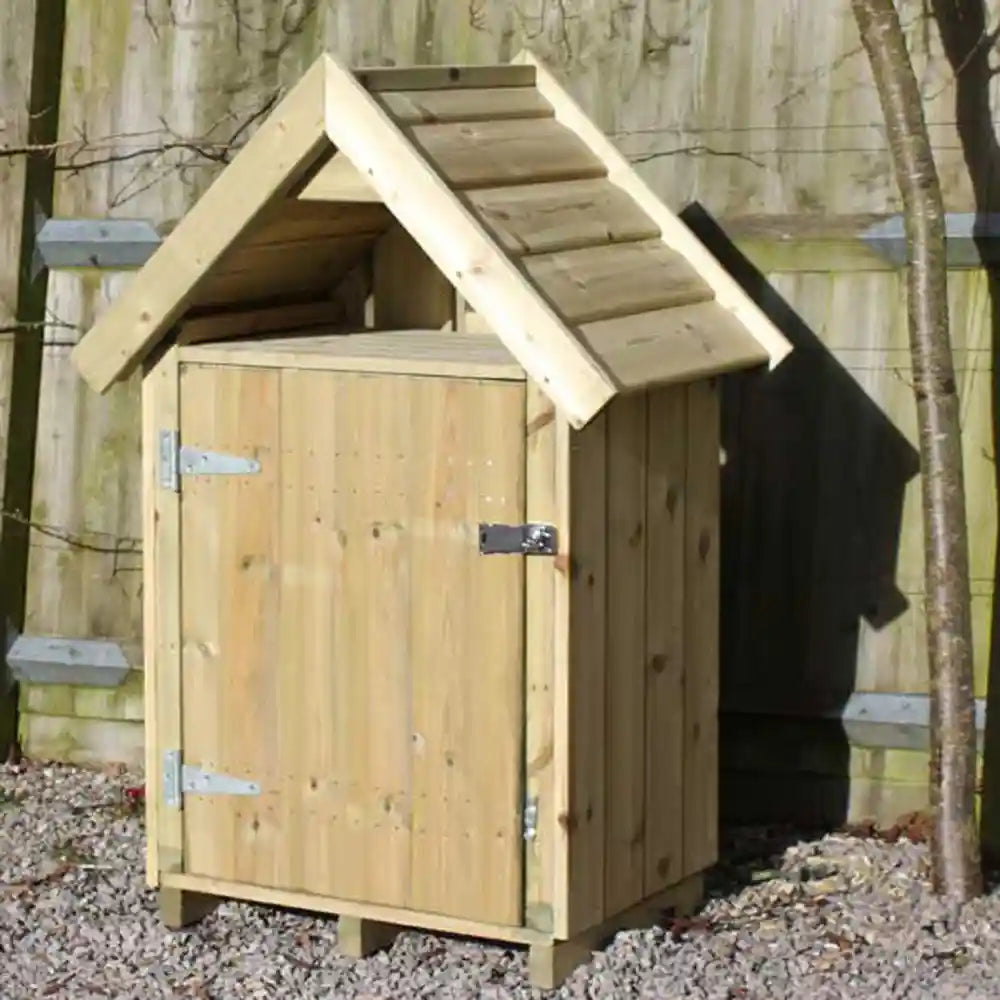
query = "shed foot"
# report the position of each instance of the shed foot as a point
(358, 937)
(549, 964)
(181, 907)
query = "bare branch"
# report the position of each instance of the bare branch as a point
(477, 15)
(697, 150)
(83, 153)
(293, 22)
(118, 546)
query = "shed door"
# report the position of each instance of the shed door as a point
(345, 646)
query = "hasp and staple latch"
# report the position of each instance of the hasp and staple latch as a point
(179, 778)
(531, 539)
(178, 459)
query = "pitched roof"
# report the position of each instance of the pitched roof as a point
(588, 279)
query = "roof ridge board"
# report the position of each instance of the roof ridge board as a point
(441, 76)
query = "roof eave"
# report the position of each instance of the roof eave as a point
(285, 145)
(728, 291)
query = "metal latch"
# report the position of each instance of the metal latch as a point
(180, 778)
(525, 539)
(177, 460)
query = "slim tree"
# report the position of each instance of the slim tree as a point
(955, 842)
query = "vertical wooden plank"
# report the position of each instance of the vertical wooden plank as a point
(162, 631)
(580, 717)
(229, 607)
(625, 694)
(557, 822)
(150, 595)
(542, 577)
(468, 651)
(344, 609)
(665, 553)
(312, 552)
(371, 652)
(407, 287)
(353, 514)
(384, 465)
(701, 629)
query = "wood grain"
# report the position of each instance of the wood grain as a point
(673, 345)
(464, 104)
(420, 352)
(666, 477)
(240, 323)
(561, 215)
(230, 589)
(599, 282)
(301, 268)
(286, 220)
(335, 180)
(382, 78)
(582, 825)
(162, 635)
(542, 578)
(468, 725)
(407, 288)
(625, 683)
(487, 154)
(349, 907)
(701, 629)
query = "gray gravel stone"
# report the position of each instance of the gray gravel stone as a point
(822, 919)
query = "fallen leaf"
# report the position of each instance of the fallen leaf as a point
(16, 889)
(677, 927)
(865, 830)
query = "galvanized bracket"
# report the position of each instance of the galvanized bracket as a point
(43, 659)
(179, 779)
(177, 460)
(971, 239)
(531, 817)
(518, 539)
(108, 244)
(195, 781)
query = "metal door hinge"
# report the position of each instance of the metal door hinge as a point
(172, 779)
(531, 818)
(177, 460)
(531, 539)
(179, 779)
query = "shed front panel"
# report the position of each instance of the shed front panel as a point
(345, 646)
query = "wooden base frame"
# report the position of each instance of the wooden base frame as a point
(365, 929)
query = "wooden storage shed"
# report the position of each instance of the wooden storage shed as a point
(431, 460)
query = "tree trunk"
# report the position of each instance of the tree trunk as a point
(955, 842)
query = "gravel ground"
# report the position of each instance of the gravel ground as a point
(826, 918)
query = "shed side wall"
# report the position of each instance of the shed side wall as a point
(639, 713)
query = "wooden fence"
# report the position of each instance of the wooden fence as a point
(759, 116)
